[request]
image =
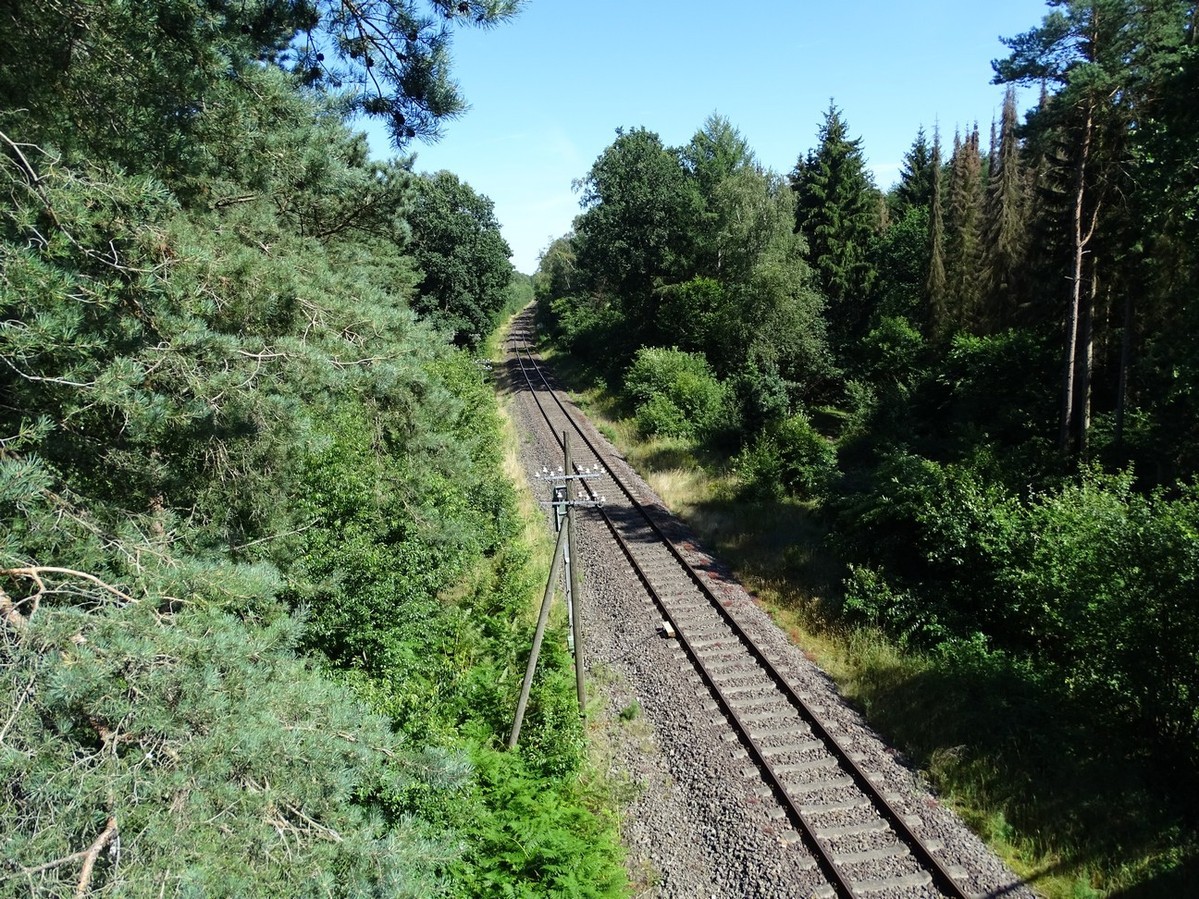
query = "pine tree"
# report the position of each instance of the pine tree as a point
(1085, 48)
(837, 214)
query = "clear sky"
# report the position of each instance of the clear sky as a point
(548, 89)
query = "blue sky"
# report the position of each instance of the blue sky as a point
(548, 90)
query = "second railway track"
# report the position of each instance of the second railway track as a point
(865, 839)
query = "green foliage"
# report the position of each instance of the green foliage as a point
(901, 256)
(244, 492)
(226, 765)
(532, 842)
(893, 352)
(790, 457)
(587, 329)
(660, 416)
(963, 243)
(870, 600)
(1053, 575)
(693, 248)
(1005, 240)
(694, 313)
(555, 275)
(457, 245)
(675, 393)
(716, 152)
(1108, 560)
(760, 394)
(639, 211)
(1012, 364)
(128, 83)
(914, 191)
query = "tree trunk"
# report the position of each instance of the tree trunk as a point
(1068, 429)
(1125, 361)
(1086, 358)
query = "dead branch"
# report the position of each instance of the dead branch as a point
(39, 378)
(265, 354)
(11, 615)
(90, 856)
(17, 708)
(229, 201)
(368, 360)
(17, 619)
(23, 163)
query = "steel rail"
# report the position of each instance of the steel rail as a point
(925, 856)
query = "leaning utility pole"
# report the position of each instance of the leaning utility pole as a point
(572, 585)
(564, 554)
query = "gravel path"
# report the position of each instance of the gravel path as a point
(698, 821)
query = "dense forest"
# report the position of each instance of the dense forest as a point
(985, 379)
(264, 589)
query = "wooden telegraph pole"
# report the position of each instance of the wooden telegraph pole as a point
(572, 575)
(564, 554)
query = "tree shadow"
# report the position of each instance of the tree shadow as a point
(1181, 881)
(1000, 734)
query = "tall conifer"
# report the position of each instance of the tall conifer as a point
(1084, 48)
(1004, 241)
(838, 214)
(915, 185)
(962, 230)
(936, 286)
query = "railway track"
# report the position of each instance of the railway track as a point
(866, 841)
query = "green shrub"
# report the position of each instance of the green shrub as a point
(680, 395)
(870, 600)
(592, 332)
(759, 395)
(759, 470)
(791, 458)
(808, 457)
(228, 766)
(661, 417)
(531, 839)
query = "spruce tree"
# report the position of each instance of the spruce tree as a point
(1005, 235)
(915, 183)
(963, 226)
(838, 215)
(937, 284)
(715, 153)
